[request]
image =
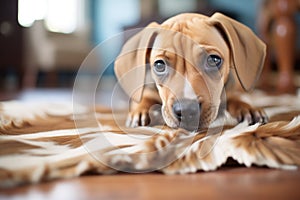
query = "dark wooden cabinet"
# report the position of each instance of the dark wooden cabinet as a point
(11, 42)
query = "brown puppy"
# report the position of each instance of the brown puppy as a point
(186, 64)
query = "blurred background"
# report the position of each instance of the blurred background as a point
(44, 42)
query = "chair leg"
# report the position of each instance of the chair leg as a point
(284, 34)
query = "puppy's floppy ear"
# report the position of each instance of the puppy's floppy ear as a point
(130, 65)
(248, 51)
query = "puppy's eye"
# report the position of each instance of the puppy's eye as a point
(214, 61)
(160, 67)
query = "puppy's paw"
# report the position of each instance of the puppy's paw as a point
(245, 112)
(138, 117)
(252, 116)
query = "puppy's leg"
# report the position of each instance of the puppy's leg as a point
(243, 111)
(139, 112)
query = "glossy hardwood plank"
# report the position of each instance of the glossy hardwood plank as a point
(226, 183)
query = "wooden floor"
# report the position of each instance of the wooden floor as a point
(226, 183)
(231, 182)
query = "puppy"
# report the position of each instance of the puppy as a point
(194, 66)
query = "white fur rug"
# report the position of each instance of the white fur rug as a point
(45, 141)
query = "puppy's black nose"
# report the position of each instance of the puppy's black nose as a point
(187, 111)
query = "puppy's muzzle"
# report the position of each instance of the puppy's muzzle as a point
(187, 112)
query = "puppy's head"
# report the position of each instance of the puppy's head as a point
(190, 57)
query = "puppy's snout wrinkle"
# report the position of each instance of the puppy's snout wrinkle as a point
(186, 110)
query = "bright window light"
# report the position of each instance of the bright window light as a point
(59, 15)
(62, 15)
(31, 10)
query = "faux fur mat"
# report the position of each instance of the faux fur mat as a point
(48, 141)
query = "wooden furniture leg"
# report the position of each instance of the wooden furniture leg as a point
(284, 34)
